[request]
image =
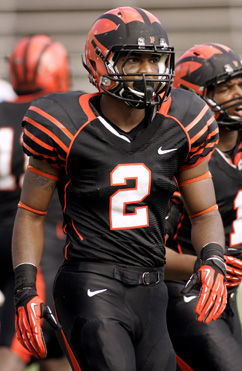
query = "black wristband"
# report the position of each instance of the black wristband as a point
(25, 276)
(197, 264)
(210, 250)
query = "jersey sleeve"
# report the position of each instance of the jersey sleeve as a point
(46, 136)
(202, 132)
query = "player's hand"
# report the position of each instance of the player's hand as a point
(235, 251)
(29, 310)
(213, 293)
(234, 271)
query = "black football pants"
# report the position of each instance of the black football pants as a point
(213, 347)
(112, 324)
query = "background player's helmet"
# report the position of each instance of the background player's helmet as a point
(39, 63)
(201, 69)
(128, 30)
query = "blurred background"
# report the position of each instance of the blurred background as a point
(187, 22)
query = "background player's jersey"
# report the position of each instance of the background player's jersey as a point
(13, 161)
(227, 179)
(114, 190)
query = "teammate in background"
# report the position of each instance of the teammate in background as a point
(38, 65)
(6, 93)
(214, 72)
(115, 157)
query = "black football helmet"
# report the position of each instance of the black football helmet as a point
(201, 69)
(129, 30)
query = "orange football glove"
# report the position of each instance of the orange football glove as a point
(28, 324)
(210, 277)
(234, 271)
(29, 311)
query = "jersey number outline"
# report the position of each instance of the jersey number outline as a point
(119, 218)
(7, 178)
(236, 235)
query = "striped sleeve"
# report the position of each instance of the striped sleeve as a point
(46, 135)
(202, 132)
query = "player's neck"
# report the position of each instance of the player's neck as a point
(227, 139)
(120, 114)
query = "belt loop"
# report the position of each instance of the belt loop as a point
(145, 279)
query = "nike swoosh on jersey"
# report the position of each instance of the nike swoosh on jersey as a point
(187, 299)
(96, 292)
(163, 151)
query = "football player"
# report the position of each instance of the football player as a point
(38, 65)
(214, 72)
(116, 157)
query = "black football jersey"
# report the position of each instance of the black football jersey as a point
(114, 190)
(13, 161)
(227, 178)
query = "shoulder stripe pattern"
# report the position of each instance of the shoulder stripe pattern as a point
(197, 119)
(200, 127)
(46, 131)
(52, 119)
(45, 137)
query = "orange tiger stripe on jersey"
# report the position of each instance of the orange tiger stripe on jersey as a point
(40, 154)
(37, 140)
(212, 119)
(198, 118)
(53, 120)
(47, 132)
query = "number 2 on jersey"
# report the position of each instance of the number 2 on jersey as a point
(119, 218)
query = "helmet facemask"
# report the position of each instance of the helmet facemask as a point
(149, 89)
(224, 119)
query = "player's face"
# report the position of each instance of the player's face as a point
(231, 89)
(138, 63)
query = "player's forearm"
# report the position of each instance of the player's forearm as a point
(206, 229)
(179, 266)
(28, 238)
